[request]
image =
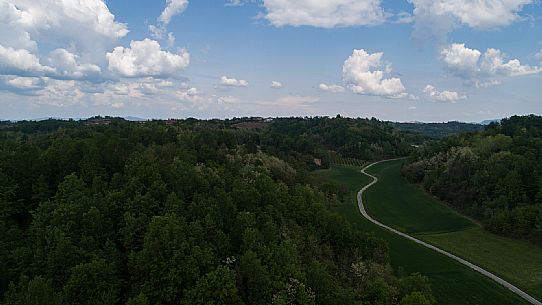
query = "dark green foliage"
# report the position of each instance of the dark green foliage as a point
(37, 291)
(351, 138)
(93, 283)
(417, 298)
(105, 211)
(438, 130)
(216, 287)
(494, 175)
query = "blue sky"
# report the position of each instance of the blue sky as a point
(416, 60)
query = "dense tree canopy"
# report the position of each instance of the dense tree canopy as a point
(494, 175)
(438, 130)
(187, 212)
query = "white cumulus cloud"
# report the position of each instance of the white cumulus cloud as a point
(364, 73)
(68, 66)
(494, 63)
(481, 68)
(461, 60)
(331, 88)
(79, 31)
(146, 58)
(442, 96)
(226, 81)
(325, 13)
(21, 62)
(86, 24)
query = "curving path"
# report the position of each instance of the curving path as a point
(488, 274)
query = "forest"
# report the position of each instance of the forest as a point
(105, 211)
(494, 175)
(438, 130)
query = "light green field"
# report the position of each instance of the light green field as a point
(408, 208)
(452, 283)
(403, 206)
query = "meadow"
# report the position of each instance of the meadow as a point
(408, 208)
(452, 283)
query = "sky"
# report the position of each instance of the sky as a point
(399, 60)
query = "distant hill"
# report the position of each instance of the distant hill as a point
(438, 130)
(487, 122)
(134, 119)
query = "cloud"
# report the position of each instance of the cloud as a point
(364, 73)
(173, 8)
(295, 100)
(21, 62)
(331, 88)
(61, 93)
(85, 24)
(235, 3)
(190, 95)
(146, 58)
(276, 85)
(460, 60)
(226, 99)
(438, 17)
(493, 63)
(481, 14)
(404, 18)
(79, 31)
(290, 101)
(226, 81)
(68, 66)
(157, 31)
(170, 39)
(477, 68)
(442, 96)
(325, 14)
(22, 85)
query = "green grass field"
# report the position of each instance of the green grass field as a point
(409, 209)
(406, 208)
(452, 283)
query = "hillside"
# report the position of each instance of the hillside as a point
(106, 211)
(438, 130)
(494, 175)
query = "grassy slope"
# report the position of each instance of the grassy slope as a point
(404, 207)
(452, 283)
(408, 208)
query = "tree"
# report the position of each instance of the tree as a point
(539, 218)
(417, 298)
(215, 288)
(294, 292)
(37, 291)
(93, 283)
(167, 264)
(255, 278)
(140, 299)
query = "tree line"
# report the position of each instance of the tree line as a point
(494, 175)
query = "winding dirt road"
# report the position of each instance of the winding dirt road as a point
(488, 274)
